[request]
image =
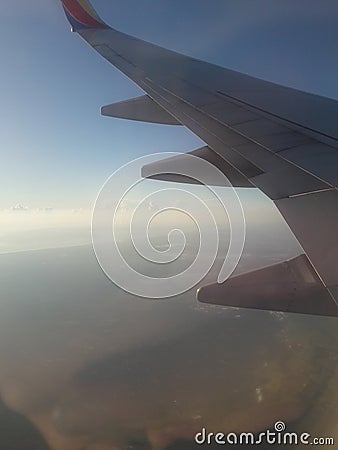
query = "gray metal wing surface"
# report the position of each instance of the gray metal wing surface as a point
(277, 139)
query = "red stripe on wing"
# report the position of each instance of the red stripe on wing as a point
(80, 14)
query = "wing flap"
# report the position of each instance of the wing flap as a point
(313, 218)
(168, 169)
(290, 286)
(142, 109)
(286, 182)
(283, 141)
(316, 158)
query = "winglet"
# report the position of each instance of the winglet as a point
(81, 15)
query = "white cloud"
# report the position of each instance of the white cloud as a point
(30, 229)
(47, 209)
(19, 207)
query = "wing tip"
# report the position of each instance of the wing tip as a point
(81, 15)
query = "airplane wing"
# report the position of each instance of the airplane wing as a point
(277, 139)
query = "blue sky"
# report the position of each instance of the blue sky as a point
(57, 150)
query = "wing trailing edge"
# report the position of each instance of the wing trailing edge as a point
(290, 286)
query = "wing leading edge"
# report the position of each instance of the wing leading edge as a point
(280, 140)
